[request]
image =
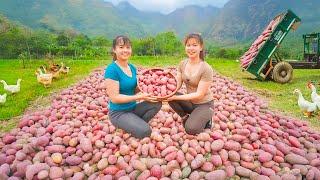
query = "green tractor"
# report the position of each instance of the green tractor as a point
(282, 70)
(312, 48)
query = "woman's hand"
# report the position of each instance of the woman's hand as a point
(172, 98)
(146, 97)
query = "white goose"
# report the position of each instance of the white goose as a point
(11, 88)
(314, 95)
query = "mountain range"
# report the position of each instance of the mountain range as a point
(237, 21)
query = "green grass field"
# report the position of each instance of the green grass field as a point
(279, 96)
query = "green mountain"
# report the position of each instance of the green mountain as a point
(245, 19)
(92, 17)
(238, 21)
(96, 17)
(191, 19)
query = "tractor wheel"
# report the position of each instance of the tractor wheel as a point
(282, 72)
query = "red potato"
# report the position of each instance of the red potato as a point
(145, 149)
(243, 172)
(265, 157)
(168, 150)
(86, 145)
(122, 164)
(224, 155)
(102, 164)
(278, 159)
(112, 159)
(243, 132)
(315, 162)
(203, 137)
(296, 159)
(230, 170)
(73, 160)
(294, 141)
(111, 170)
(176, 174)
(194, 175)
(43, 174)
(216, 160)
(5, 170)
(120, 173)
(22, 168)
(56, 158)
(238, 138)
(156, 171)
(134, 174)
(216, 135)
(32, 170)
(232, 145)
(285, 149)
(207, 167)
(217, 174)
(42, 141)
(171, 156)
(56, 149)
(171, 87)
(55, 172)
(269, 148)
(172, 165)
(197, 162)
(138, 165)
(217, 145)
(234, 156)
(267, 171)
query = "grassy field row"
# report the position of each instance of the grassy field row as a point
(279, 96)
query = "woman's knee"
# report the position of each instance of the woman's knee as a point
(172, 103)
(142, 133)
(192, 130)
(114, 122)
(158, 106)
(203, 113)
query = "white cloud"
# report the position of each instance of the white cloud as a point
(167, 6)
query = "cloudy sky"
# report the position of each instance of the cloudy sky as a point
(167, 6)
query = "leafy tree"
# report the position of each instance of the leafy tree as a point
(62, 40)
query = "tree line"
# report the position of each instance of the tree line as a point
(17, 41)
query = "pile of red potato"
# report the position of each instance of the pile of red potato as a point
(73, 139)
(157, 82)
(258, 43)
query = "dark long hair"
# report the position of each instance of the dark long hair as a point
(199, 39)
(119, 40)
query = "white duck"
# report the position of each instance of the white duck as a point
(314, 95)
(11, 88)
(307, 107)
(3, 98)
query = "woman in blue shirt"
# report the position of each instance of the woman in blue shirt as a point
(121, 83)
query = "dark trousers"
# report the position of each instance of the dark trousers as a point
(199, 115)
(136, 121)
